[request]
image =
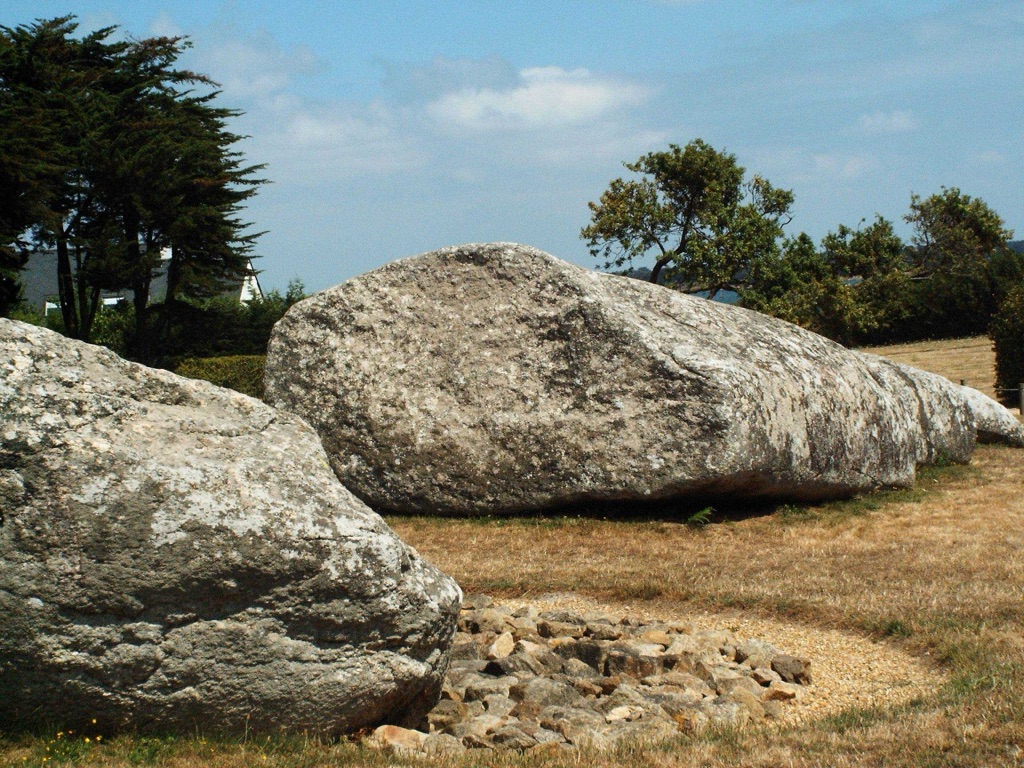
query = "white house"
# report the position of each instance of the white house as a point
(39, 280)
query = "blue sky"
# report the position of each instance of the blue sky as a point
(394, 128)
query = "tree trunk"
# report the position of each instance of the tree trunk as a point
(66, 287)
(86, 296)
(141, 277)
(171, 297)
(89, 312)
(658, 266)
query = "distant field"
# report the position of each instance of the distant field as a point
(972, 359)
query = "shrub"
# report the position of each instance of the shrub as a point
(242, 373)
(1007, 334)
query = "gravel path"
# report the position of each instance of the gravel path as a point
(849, 670)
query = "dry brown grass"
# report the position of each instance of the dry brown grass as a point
(914, 560)
(937, 572)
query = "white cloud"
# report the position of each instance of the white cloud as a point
(164, 26)
(607, 147)
(253, 67)
(308, 144)
(991, 157)
(795, 165)
(843, 166)
(303, 142)
(897, 121)
(543, 97)
(416, 83)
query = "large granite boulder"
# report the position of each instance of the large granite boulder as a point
(995, 423)
(496, 378)
(175, 556)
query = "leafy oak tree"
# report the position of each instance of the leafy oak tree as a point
(962, 261)
(801, 286)
(853, 286)
(694, 213)
(873, 265)
(954, 232)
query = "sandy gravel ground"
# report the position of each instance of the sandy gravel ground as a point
(848, 670)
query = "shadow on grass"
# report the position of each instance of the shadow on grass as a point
(691, 512)
(697, 511)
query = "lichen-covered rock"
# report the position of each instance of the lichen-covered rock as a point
(996, 424)
(495, 378)
(175, 556)
(931, 414)
(937, 407)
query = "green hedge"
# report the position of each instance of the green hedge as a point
(1007, 333)
(242, 373)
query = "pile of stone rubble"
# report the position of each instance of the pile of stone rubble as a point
(524, 679)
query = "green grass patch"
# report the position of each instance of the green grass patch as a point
(242, 373)
(896, 628)
(856, 718)
(148, 750)
(701, 517)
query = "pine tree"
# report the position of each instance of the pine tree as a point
(133, 157)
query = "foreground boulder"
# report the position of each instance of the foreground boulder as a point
(496, 378)
(175, 556)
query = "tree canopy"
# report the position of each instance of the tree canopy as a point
(853, 286)
(709, 229)
(112, 154)
(954, 232)
(693, 212)
(961, 256)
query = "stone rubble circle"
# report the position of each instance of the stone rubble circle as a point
(525, 679)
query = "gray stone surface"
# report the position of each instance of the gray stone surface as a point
(933, 415)
(996, 424)
(495, 378)
(175, 556)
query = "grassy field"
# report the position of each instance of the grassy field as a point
(936, 572)
(972, 360)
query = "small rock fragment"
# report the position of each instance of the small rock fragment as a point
(502, 646)
(782, 692)
(443, 744)
(792, 669)
(399, 739)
